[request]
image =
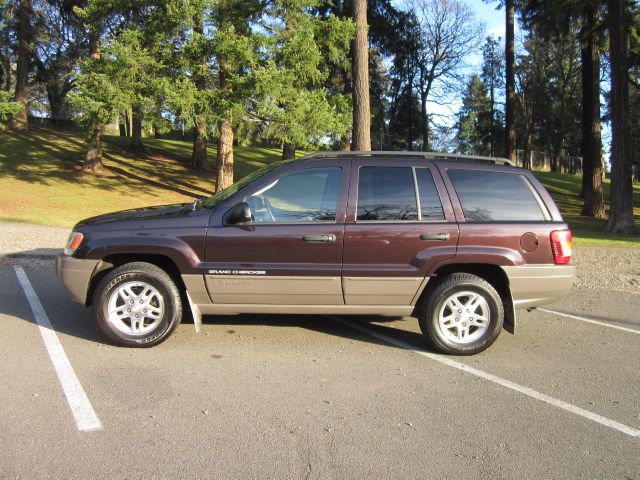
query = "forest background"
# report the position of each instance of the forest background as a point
(421, 75)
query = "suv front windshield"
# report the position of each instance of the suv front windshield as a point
(236, 187)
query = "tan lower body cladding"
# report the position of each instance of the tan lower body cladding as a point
(325, 295)
(535, 285)
(242, 289)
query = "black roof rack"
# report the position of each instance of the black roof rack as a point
(426, 155)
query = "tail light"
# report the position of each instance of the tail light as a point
(561, 246)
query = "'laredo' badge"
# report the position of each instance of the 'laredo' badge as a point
(237, 272)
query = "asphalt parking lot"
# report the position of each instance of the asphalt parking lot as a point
(316, 396)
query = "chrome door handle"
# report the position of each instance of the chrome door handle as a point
(438, 237)
(320, 238)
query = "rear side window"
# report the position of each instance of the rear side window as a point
(387, 194)
(495, 196)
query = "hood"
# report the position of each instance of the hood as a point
(148, 213)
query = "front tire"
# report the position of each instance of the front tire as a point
(137, 305)
(462, 314)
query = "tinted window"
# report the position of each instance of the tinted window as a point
(231, 189)
(306, 196)
(495, 196)
(386, 193)
(430, 205)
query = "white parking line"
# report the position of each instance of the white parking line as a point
(594, 417)
(588, 320)
(85, 416)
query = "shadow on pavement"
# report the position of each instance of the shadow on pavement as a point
(36, 253)
(75, 320)
(67, 318)
(324, 324)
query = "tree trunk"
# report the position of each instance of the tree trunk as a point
(492, 127)
(224, 156)
(93, 154)
(555, 161)
(361, 139)
(345, 144)
(621, 214)
(20, 120)
(199, 151)
(7, 61)
(424, 126)
(56, 105)
(128, 119)
(288, 151)
(587, 70)
(526, 157)
(510, 110)
(136, 145)
(591, 138)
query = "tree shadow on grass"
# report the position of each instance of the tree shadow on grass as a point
(127, 176)
(53, 162)
(38, 158)
(126, 172)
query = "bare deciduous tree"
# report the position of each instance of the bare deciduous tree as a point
(449, 33)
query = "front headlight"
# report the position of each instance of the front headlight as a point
(75, 239)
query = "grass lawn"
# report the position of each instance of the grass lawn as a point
(41, 181)
(586, 231)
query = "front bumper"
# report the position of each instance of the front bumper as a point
(75, 275)
(535, 285)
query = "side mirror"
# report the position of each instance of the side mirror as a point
(239, 213)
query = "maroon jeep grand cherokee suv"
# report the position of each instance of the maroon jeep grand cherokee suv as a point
(459, 242)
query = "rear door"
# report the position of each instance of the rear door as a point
(291, 253)
(400, 226)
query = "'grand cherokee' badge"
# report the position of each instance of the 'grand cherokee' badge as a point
(237, 272)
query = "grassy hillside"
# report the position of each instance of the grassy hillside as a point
(41, 181)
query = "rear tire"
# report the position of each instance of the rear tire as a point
(461, 314)
(137, 305)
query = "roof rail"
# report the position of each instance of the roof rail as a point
(426, 155)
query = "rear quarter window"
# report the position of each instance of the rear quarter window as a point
(495, 196)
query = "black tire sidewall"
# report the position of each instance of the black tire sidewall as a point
(429, 319)
(101, 306)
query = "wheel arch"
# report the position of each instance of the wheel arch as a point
(493, 274)
(110, 262)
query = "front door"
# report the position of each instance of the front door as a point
(400, 225)
(291, 253)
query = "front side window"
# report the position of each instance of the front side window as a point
(495, 196)
(306, 196)
(219, 197)
(387, 194)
